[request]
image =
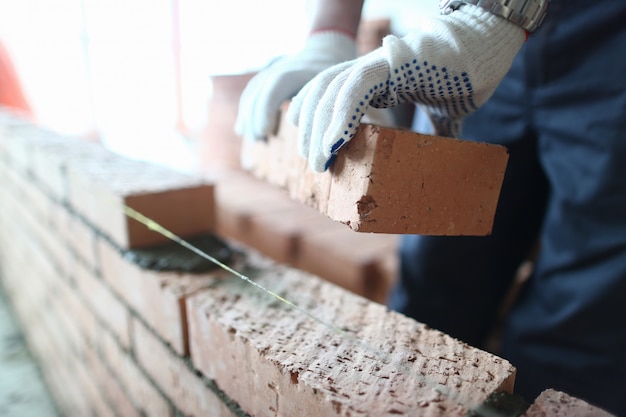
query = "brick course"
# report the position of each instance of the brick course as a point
(261, 216)
(396, 366)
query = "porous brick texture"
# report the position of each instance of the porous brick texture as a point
(259, 215)
(392, 180)
(354, 358)
(552, 403)
(113, 339)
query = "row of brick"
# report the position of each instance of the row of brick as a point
(114, 339)
(261, 216)
(91, 336)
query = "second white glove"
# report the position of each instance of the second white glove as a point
(260, 101)
(451, 66)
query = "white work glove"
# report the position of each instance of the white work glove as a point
(450, 66)
(260, 101)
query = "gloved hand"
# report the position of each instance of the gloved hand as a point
(260, 101)
(450, 66)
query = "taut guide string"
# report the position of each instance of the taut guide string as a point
(156, 227)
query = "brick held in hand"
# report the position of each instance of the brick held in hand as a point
(389, 180)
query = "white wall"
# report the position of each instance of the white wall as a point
(109, 65)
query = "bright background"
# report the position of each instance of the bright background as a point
(132, 72)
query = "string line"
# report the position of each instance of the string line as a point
(154, 226)
(442, 389)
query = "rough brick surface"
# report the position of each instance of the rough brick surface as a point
(76, 234)
(101, 186)
(238, 198)
(97, 183)
(361, 263)
(158, 297)
(552, 403)
(393, 181)
(170, 372)
(145, 396)
(279, 234)
(218, 143)
(261, 216)
(399, 367)
(107, 308)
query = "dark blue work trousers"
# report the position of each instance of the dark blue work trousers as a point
(561, 112)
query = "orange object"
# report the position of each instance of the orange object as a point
(11, 92)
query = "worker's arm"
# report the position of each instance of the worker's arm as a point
(331, 41)
(337, 15)
(450, 65)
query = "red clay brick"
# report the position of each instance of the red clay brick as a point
(397, 181)
(145, 397)
(27, 269)
(97, 403)
(63, 303)
(219, 145)
(46, 345)
(158, 297)
(355, 261)
(98, 182)
(279, 234)
(49, 169)
(276, 162)
(297, 366)
(35, 261)
(63, 383)
(33, 212)
(99, 187)
(24, 191)
(112, 392)
(29, 209)
(79, 309)
(105, 305)
(551, 403)
(186, 389)
(260, 216)
(239, 196)
(54, 338)
(76, 235)
(60, 383)
(49, 155)
(40, 152)
(60, 364)
(15, 141)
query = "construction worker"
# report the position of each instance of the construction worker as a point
(556, 98)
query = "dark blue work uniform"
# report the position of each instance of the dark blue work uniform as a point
(561, 111)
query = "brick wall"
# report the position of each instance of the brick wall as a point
(115, 338)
